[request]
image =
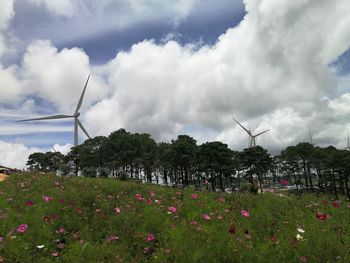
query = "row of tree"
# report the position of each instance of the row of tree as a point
(212, 165)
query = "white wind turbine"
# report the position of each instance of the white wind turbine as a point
(75, 116)
(252, 137)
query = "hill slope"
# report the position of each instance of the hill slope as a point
(45, 218)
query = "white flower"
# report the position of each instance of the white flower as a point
(299, 237)
(40, 246)
(300, 230)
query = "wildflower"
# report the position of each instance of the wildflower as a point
(321, 216)
(29, 203)
(194, 223)
(46, 219)
(139, 197)
(348, 205)
(299, 237)
(232, 229)
(206, 217)
(117, 210)
(244, 213)
(172, 209)
(60, 245)
(112, 238)
(10, 199)
(55, 216)
(194, 196)
(336, 204)
(98, 210)
(221, 200)
(151, 194)
(47, 198)
(55, 254)
(40, 246)
(303, 259)
(61, 230)
(149, 201)
(220, 217)
(79, 211)
(300, 230)
(150, 237)
(284, 182)
(1, 239)
(178, 193)
(61, 201)
(22, 228)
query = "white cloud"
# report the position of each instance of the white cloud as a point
(6, 14)
(15, 155)
(59, 76)
(275, 64)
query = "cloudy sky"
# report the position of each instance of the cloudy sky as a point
(169, 67)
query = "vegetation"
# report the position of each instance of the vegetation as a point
(45, 218)
(212, 165)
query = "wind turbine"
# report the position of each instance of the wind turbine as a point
(53, 148)
(348, 147)
(310, 135)
(252, 142)
(75, 116)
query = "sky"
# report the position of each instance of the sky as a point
(170, 67)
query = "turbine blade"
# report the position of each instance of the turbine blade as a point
(82, 96)
(53, 117)
(242, 127)
(53, 148)
(83, 129)
(256, 135)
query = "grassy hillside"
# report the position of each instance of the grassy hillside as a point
(45, 218)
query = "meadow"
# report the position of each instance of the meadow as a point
(45, 218)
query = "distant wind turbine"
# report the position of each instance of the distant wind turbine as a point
(310, 135)
(75, 116)
(252, 137)
(348, 146)
(53, 148)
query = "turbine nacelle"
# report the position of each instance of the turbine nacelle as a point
(76, 114)
(252, 141)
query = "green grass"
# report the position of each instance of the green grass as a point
(88, 220)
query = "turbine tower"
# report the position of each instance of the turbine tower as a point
(75, 116)
(252, 137)
(311, 141)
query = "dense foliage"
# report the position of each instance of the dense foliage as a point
(212, 165)
(45, 218)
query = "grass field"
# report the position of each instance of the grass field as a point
(45, 218)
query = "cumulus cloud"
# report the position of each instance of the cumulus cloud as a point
(15, 155)
(272, 68)
(59, 76)
(6, 14)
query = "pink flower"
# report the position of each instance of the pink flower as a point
(150, 237)
(22, 228)
(206, 217)
(321, 216)
(194, 223)
(348, 205)
(194, 196)
(55, 254)
(61, 230)
(1, 239)
(61, 201)
(79, 211)
(244, 213)
(29, 203)
(284, 182)
(220, 217)
(112, 238)
(139, 197)
(172, 209)
(60, 245)
(336, 204)
(149, 201)
(303, 259)
(55, 216)
(221, 200)
(117, 210)
(232, 229)
(151, 194)
(47, 198)
(178, 193)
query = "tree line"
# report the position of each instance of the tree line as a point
(211, 165)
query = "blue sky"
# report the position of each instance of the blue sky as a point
(170, 67)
